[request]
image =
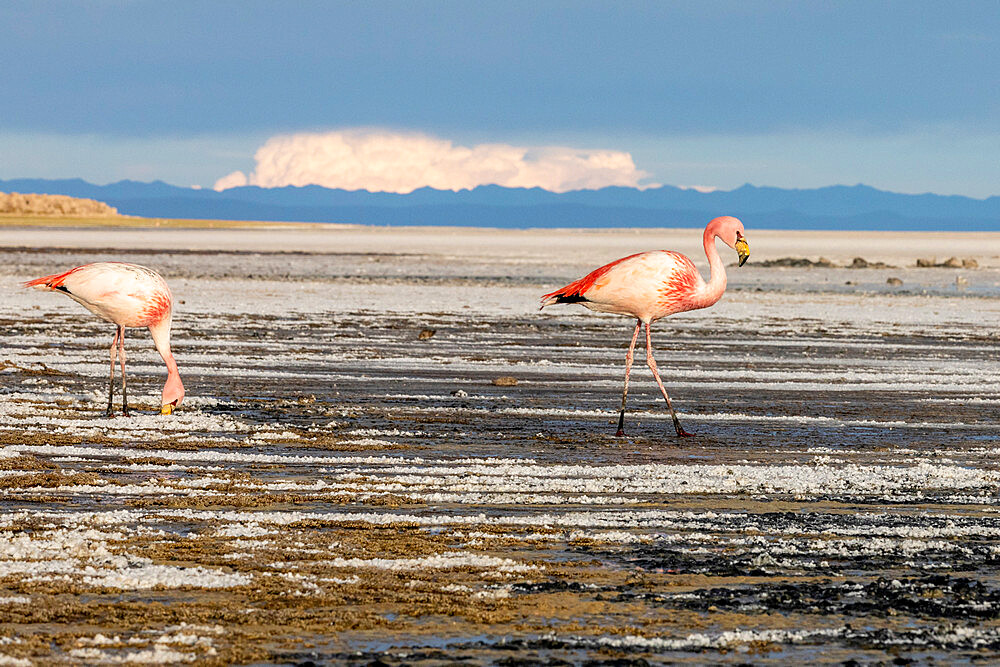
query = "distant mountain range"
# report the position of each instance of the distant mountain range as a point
(835, 207)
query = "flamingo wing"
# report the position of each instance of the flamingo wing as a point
(121, 293)
(647, 285)
(576, 291)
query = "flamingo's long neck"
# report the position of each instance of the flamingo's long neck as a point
(717, 278)
(161, 339)
(168, 359)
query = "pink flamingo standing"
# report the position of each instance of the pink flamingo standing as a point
(127, 295)
(651, 285)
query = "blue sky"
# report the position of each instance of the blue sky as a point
(903, 96)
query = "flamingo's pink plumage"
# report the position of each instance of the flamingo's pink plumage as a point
(651, 285)
(127, 295)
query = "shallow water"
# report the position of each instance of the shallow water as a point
(335, 489)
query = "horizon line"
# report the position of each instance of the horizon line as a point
(699, 190)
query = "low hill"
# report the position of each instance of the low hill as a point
(15, 203)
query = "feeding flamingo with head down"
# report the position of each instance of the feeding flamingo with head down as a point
(127, 295)
(651, 285)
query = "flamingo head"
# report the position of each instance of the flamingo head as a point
(742, 248)
(730, 230)
(173, 393)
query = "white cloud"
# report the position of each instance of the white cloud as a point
(233, 180)
(387, 161)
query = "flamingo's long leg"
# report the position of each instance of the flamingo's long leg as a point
(628, 369)
(651, 362)
(121, 358)
(111, 387)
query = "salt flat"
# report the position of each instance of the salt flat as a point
(527, 246)
(335, 489)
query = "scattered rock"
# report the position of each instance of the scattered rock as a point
(505, 381)
(862, 263)
(961, 281)
(950, 263)
(896, 282)
(460, 393)
(426, 334)
(796, 262)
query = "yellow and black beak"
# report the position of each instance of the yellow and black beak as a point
(168, 408)
(742, 249)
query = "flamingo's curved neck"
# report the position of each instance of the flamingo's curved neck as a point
(161, 339)
(168, 359)
(717, 278)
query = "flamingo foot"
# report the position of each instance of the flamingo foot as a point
(126, 413)
(620, 433)
(681, 433)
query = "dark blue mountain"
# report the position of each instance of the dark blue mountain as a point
(835, 207)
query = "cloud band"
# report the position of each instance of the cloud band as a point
(387, 161)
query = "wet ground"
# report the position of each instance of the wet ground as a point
(337, 488)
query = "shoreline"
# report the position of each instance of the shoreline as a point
(586, 245)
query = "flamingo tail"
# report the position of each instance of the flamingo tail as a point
(569, 294)
(574, 292)
(55, 281)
